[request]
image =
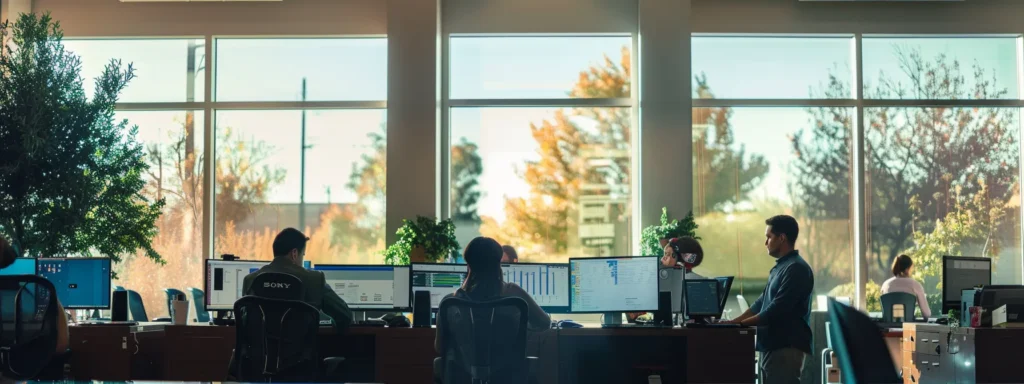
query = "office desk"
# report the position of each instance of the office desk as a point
(116, 352)
(405, 355)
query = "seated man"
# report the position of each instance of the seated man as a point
(289, 252)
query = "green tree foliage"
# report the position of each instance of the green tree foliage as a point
(969, 229)
(915, 157)
(465, 175)
(70, 175)
(719, 167)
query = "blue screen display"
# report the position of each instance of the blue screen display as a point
(21, 266)
(80, 282)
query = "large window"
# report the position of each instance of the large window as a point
(277, 102)
(941, 154)
(322, 171)
(532, 163)
(336, 198)
(942, 179)
(167, 71)
(751, 161)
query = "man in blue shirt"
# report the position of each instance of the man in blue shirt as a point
(782, 313)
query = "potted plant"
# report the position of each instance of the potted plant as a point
(652, 239)
(421, 241)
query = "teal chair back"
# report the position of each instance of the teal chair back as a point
(199, 302)
(136, 307)
(892, 299)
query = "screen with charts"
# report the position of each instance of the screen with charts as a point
(547, 284)
(702, 297)
(439, 279)
(21, 266)
(81, 283)
(223, 283)
(620, 284)
(369, 286)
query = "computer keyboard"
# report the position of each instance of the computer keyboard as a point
(633, 325)
(716, 325)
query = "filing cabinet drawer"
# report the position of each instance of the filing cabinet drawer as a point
(929, 343)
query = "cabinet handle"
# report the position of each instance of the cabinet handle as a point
(935, 364)
(925, 362)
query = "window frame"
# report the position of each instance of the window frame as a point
(448, 103)
(860, 103)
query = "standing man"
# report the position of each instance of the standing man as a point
(782, 313)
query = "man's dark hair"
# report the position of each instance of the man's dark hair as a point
(784, 225)
(287, 240)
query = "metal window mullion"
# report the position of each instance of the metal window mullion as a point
(858, 179)
(444, 191)
(723, 103)
(265, 105)
(1020, 154)
(208, 152)
(624, 102)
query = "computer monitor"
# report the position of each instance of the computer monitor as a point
(80, 282)
(222, 281)
(702, 298)
(370, 287)
(724, 286)
(21, 266)
(960, 273)
(613, 284)
(438, 279)
(547, 284)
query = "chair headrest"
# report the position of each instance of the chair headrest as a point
(278, 286)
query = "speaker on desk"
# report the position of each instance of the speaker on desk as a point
(119, 306)
(421, 309)
(663, 316)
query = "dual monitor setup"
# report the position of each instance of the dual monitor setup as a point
(583, 285)
(80, 283)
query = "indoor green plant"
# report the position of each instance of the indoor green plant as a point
(71, 172)
(423, 240)
(650, 238)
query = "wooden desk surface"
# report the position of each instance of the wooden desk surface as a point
(388, 355)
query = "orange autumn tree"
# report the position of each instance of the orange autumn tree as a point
(540, 223)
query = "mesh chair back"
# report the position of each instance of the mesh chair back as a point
(28, 325)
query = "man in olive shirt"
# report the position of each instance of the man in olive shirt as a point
(289, 251)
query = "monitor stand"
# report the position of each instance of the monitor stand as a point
(611, 318)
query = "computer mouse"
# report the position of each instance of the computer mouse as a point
(569, 324)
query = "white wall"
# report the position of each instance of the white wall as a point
(794, 16)
(290, 17)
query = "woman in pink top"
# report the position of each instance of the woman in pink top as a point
(902, 282)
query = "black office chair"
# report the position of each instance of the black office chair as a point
(198, 298)
(277, 334)
(859, 346)
(892, 299)
(485, 342)
(28, 325)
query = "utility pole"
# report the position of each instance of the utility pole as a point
(302, 172)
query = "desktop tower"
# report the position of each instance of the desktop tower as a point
(119, 306)
(664, 314)
(421, 309)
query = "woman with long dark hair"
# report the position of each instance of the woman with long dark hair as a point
(902, 281)
(484, 282)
